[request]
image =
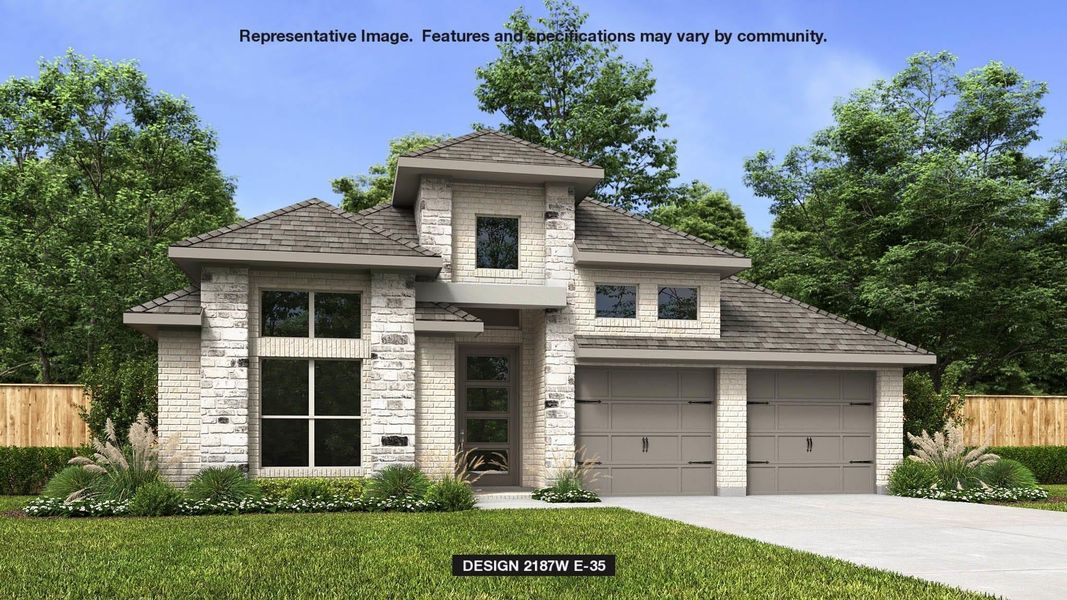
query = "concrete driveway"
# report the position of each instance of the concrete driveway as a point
(1011, 552)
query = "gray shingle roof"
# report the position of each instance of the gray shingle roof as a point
(603, 228)
(489, 145)
(185, 301)
(756, 319)
(436, 311)
(396, 220)
(309, 226)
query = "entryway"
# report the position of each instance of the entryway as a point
(487, 412)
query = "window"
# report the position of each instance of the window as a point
(678, 303)
(311, 413)
(310, 314)
(616, 301)
(497, 243)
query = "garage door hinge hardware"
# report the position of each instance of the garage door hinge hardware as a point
(860, 403)
(701, 462)
(860, 462)
(759, 462)
(750, 402)
(588, 401)
(702, 402)
(590, 462)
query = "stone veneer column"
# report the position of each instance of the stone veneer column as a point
(559, 330)
(731, 432)
(433, 219)
(888, 424)
(224, 367)
(391, 382)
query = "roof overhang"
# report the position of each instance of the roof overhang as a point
(409, 169)
(189, 260)
(589, 354)
(724, 265)
(149, 323)
(429, 326)
(491, 295)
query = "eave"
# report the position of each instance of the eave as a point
(724, 265)
(190, 259)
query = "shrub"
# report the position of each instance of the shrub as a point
(1047, 463)
(216, 484)
(308, 489)
(451, 494)
(93, 507)
(71, 482)
(25, 471)
(155, 499)
(121, 387)
(955, 465)
(342, 487)
(910, 475)
(981, 494)
(568, 485)
(125, 468)
(549, 494)
(926, 408)
(397, 481)
(1007, 473)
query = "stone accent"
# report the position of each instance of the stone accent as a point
(647, 321)
(889, 424)
(471, 200)
(224, 367)
(559, 329)
(179, 401)
(532, 413)
(435, 403)
(390, 382)
(433, 219)
(731, 432)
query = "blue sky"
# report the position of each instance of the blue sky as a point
(292, 117)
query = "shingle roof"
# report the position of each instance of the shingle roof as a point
(185, 301)
(489, 145)
(755, 319)
(603, 228)
(310, 226)
(436, 311)
(396, 220)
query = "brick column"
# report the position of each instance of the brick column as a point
(889, 424)
(391, 381)
(731, 432)
(435, 392)
(433, 219)
(559, 329)
(224, 367)
(178, 374)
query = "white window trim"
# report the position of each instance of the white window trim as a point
(678, 322)
(311, 312)
(622, 321)
(495, 272)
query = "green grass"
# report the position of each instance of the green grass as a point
(13, 502)
(391, 555)
(1057, 499)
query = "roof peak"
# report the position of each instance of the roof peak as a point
(500, 134)
(666, 228)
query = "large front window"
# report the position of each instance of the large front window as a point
(616, 301)
(497, 243)
(311, 413)
(310, 314)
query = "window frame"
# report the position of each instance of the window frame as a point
(696, 290)
(311, 416)
(637, 300)
(311, 312)
(518, 243)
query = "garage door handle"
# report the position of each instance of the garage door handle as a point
(701, 462)
(860, 462)
(592, 462)
(759, 462)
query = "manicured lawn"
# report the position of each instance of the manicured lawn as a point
(13, 502)
(377, 555)
(1057, 499)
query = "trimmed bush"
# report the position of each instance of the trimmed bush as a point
(217, 484)
(155, 499)
(1047, 463)
(25, 471)
(451, 494)
(93, 507)
(279, 487)
(911, 475)
(308, 489)
(1007, 473)
(397, 481)
(70, 481)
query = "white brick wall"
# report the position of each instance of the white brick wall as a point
(647, 321)
(559, 329)
(224, 362)
(433, 219)
(179, 401)
(731, 432)
(527, 202)
(889, 424)
(390, 384)
(435, 403)
(532, 415)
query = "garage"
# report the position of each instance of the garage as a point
(647, 431)
(811, 432)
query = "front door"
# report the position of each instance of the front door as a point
(487, 416)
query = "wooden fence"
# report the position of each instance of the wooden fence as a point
(42, 415)
(1015, 420)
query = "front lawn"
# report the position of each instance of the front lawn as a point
(397, 555)
(1057, 499)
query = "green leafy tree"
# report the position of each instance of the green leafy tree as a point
(921, 213)
(98, 175)
(583, 99)
(376, 187)
(708, 214)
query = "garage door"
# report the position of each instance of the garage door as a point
(648, 431)
(810, 432)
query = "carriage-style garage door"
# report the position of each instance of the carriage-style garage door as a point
(810, 432)
(650, 430)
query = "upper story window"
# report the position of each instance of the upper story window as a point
(678, 303)
(310, 314)
(616, 301)
(497, 243)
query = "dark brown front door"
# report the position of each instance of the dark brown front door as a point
(487, 416)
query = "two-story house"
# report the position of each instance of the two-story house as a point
(493, 307)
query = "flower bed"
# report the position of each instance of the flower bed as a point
(551, 494)
(979, 494)
(55, 507)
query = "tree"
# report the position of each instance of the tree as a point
(919, 212)
(583, 99)
(376, 187)
(98, 176)
(708, 214)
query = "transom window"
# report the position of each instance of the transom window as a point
(311, 413)
(616, 301)
(310, 314)
(678, 303)
(497, 240)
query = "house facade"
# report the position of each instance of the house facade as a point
(492, 308)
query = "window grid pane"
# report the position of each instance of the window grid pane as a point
(678, 303)
(497, 243)
(337, 315)
(284, 314)
(616, 301)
